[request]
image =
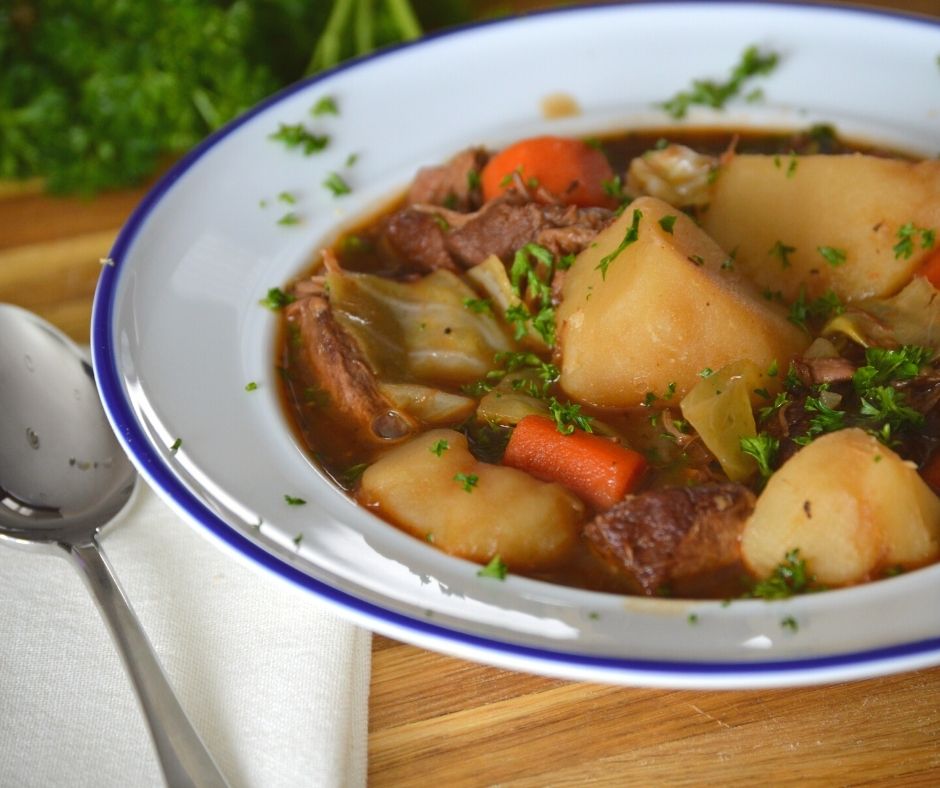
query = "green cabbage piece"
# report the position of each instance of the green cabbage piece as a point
(417, 332)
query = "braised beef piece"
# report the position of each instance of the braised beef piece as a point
(454, 184)
(427, 238)
(331, 364)
(671, 537)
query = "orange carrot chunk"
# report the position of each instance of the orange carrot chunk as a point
(596, 469)
(570, 169)
(931, 268)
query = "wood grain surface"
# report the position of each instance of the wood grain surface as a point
(440, 721)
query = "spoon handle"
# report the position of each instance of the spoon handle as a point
(183, 757)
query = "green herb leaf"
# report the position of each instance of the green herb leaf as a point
(467, 480)
(835, 257)
(630, 237)
(292, 501)
(716, 94)
(337, 185)
(297, 136)
(495, 569)
(276, 299)
(440, 447)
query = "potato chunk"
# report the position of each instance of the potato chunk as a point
(779, 211)
(851, 505)
(489, 510)
(666, 309)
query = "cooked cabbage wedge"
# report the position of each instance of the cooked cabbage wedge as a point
(721, 409)
(419, 331)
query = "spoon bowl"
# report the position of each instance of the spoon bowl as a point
(63, 476)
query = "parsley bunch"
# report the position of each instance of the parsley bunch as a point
(98, 94)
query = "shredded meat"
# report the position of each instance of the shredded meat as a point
(668, 537)
(427, 237)
(331, 361)
(452, 184)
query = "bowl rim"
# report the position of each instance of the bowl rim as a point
(635, 671)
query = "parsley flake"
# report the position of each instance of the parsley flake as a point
(325, 106)
(907, 236)
(835, 257)
(439, 447)
(667, 223)
(629, 237)
(495, 569)
(276, 299)
(716, 94)
(292, 501)
(467, 480)
(296, 136)
(175, 446)
(251, 386)
(337, 185)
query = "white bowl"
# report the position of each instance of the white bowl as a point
(178, 331)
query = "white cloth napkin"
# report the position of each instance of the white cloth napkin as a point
(276, 684)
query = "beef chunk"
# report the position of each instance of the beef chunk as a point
(453, 185)
(330, 361)
(427, 238)
(664, 538)
(415, 238)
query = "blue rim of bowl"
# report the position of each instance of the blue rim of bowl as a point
(152, 466)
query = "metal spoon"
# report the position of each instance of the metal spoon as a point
(63, 476)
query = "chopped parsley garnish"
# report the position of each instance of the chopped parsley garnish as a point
(716, 94)
(337, 185)
(467, 480)
(351, 475)
(473, 179)
(629, 237)
(526, 281)
(440, 447)
(296, 136)
(707, 372)
(297, 540)
(821, 308)
(789, 577)
(568, 417)
(292, 501)
(781, 250)
(789, 623)
(884, 365)
(287, 197)
(908, 234)
(289, 219)
(763, 448)
(835, 257)
(495, 569)
(325, 106)
(175, 446)
(478, 305)
(667, 223)
(276, 299)
(251, 386)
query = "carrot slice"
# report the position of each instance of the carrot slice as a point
(930, 268)
(598, 470)
(570, 169)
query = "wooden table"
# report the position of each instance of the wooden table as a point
(435, 720)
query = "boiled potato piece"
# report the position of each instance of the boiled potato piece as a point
(668, 307)
(529, 524)
(763, 206)
(851, 505)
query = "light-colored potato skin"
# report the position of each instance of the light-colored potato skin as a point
(855, 203)
(851, 505)
(666, 310)
(528, 523)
